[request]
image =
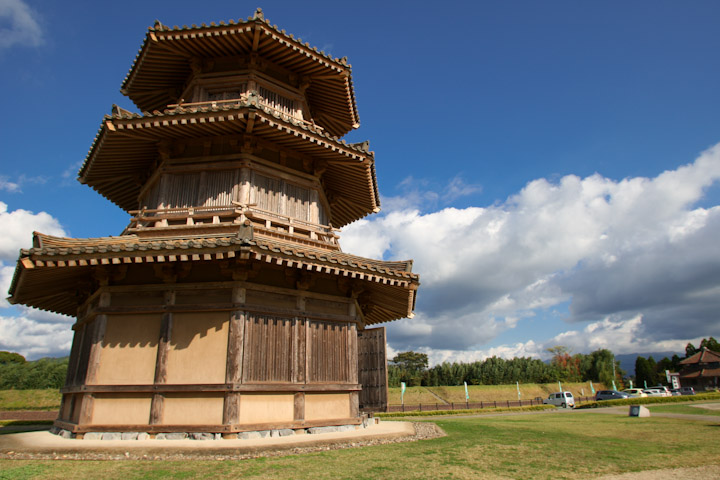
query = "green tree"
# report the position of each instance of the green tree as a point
(602, 367)
(653, 380)
(643, 372)
(11, 357)
(710, 344)
(675, 363)
(410, 367)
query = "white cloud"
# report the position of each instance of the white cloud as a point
(17, 227)
(32, 333)
(33, 338)
(16, 186)
(19, 25)
(618, 251)
(8, 186)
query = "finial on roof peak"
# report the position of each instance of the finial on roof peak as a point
(158, 24)
(258, 14)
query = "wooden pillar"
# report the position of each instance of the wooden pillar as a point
(158, 400)
(299, 406)
(354, 404)
(299, 359)
(352, 354)
(86, 409)
(98, 334)
(236, 339)
(73, 374)
(244, 194)
(157, 406)
(235, 352)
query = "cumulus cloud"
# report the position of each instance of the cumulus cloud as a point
(30, 332)
(17, 227)
(35, 338)
(634, 256)
(19, 25)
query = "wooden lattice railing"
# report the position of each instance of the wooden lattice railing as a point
(265, 222)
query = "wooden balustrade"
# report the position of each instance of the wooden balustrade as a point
(244, 99)
(272, 223)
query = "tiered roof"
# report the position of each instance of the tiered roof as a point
(704, 364)
(162, 66)
(126, 145)
(703, 356)
(44, 271)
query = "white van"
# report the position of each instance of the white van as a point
(560, 399)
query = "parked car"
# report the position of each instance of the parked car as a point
(654, 392)
(610, 395)
(665, 390)
(687, 391)
(561, 399)
(635, 392)
(675, 392)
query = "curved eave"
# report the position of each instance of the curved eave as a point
(162, 66)
(125, 151)
(45, 276)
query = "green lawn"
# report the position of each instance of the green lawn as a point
(684, 409)
(485, 393)
(30, 399)
(573, 445)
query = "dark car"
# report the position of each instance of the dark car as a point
(610, 395)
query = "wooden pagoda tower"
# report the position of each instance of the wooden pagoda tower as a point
(226, 305)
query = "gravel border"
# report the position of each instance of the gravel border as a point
(423, 431)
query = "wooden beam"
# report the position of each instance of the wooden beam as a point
(216, 387)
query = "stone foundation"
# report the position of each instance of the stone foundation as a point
(284, 432)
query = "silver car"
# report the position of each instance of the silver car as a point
(610, 395)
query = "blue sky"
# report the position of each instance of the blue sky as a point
(550, 166)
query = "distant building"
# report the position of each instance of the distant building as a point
(701, 371)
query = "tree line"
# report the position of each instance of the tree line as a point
(16, 373)
(599, 366)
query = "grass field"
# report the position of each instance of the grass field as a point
(684, 409)
(50, 399)
(30, 399)
(485, 393)
(571, 445)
